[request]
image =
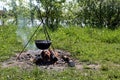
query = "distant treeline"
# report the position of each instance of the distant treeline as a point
(53, 13)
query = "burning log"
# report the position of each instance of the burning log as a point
(45, 57)
(53, 56)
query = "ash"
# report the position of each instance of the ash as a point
(56, 60)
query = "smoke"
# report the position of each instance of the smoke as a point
(24, 33)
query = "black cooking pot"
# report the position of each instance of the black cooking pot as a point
(43, 44)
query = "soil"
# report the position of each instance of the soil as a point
(25, 62)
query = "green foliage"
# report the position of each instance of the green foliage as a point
(95, 13)
(52, 13)
(99, 13)
(8, 42)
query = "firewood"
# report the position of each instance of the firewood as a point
(65, 58)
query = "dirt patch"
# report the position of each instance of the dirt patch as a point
(26, 63)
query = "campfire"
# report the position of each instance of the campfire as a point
(47, 57)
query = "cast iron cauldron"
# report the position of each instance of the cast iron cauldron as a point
(43, 44)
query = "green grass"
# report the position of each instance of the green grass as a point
(106, 73)
(8, 42)
(88, 45)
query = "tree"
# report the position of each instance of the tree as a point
(14, 10)
(17, 8)
(99, 13)
(51, 12)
